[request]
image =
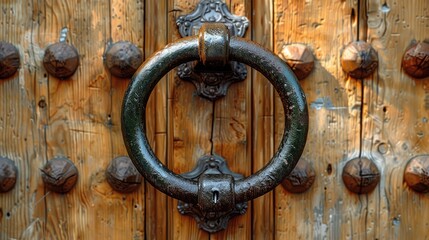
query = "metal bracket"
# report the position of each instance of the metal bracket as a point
(211, 221)
(212, 82)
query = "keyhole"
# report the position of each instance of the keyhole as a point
(215, 192)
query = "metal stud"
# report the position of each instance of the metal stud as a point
(61, 60)
(359, 59)
(416, 174)
(122, 175)
(8, 174)
(361, 175)
(9, 59)
(301, 178)
(123, 59)
(416, 60)
(299, 58)
(59, 175)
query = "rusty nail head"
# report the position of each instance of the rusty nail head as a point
(61, 60)
(122, 175)
(59, 175)
(359, 59)
(123, 59)
(416, 174)
(299, 58)
(415, 61)
(361, 175)
(301, 178)
(8, 174)
(9, 60)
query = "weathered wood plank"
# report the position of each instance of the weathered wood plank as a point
(326, 210)
(262, 119)
(156, 23)
(395, 117)
(77, 112)
(22, 209)
(232, 131)
(79, 128)
(126, 24)
(190, 121)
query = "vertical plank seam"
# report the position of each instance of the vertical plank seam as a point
(145, 183)
(167, 115)
(46, 125)
(252, 123)
(273, 135)
(170, 133)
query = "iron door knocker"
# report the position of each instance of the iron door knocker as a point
(214, 192)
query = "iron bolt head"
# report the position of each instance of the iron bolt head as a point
(123, 59)
(361, 175)
(299, 58)
(59, 175)
(122, 175)
(359, 60)
(416, 174)
(61, 60)
(8, 174)
(415, 61)
(301, 178)
(9, 59)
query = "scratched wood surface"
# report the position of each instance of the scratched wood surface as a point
(22, 210)
(395, 126)
(326, 210)
(383, 117)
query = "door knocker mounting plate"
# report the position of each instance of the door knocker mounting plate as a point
(212, 82)
(211, 221)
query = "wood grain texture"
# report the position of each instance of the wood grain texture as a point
(156, 23)
(395, 127)
(262, 116)
(126, 24)
(232, 131)
(327, 210)
(191, 120)
(80, 127)
(22, 209)
(383, 117)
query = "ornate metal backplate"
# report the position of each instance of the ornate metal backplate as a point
(211, 221)
(212, 83)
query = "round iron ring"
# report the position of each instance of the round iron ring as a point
(240, 50)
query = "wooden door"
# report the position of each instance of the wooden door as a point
(382, 117)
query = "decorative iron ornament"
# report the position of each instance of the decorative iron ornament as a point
(211, 221)
(214, 192)
(212, 83)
